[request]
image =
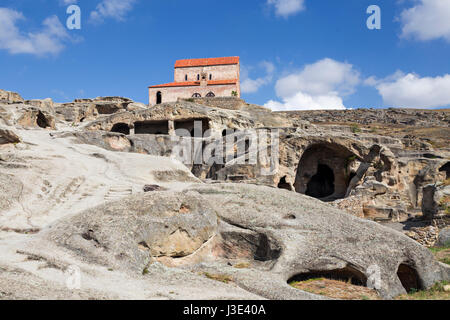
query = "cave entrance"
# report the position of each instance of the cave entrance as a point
(446, 168)
(121, 128)
(409, 278)
(323, 171)
(347, 274)
(284, 185)
(192, 127)
(42, 121)
(321, 184)
(151, 127)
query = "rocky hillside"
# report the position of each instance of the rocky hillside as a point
(104, 199)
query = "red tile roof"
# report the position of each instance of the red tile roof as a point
(217, 82)
(206, 62)
(177, 84)
(194, 83)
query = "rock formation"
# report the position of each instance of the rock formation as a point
(113, 188)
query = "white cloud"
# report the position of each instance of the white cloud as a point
(115, 9)
(249, 85)
(304, 101)
(50, 40)
(286, 8)
(321, 85)
(428, 20)
(412, 91)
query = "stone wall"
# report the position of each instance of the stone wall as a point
(223, 72)
(171, 94)
(230, 103)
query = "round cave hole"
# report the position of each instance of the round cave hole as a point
(121, 128)
(323, 172)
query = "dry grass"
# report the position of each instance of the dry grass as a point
(336, 289)
(242, 265)
(218, 277)
(436, 292)
(442, 254)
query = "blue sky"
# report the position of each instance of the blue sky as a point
(295, 54)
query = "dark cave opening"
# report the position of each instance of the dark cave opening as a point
(324, 172)
(347, 274)
(284, 185)
(446, 168)
(152, 127)
(321, 184)
(409, 278)
(42, 121)
(121, 128)
(195, 128)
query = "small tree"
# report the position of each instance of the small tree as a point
(234, 93)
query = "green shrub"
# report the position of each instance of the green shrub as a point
(355, 128)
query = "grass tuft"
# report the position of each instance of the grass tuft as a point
(218, 277)
(436, 292)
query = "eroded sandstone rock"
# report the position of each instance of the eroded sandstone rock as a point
(436, 200)
(10, 97)
(279, 233)
(130, 233)
(8, 136)
(444, 237)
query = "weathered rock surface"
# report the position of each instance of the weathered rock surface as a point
(59, 175)
(436, 200)
(412, 117)
(356, 159)
(278, 233)
(98, 184)
(83, 110)
(8, 136)
(10, 189)
(312, 236)
(10, 97)
(444, 237)
(129, 233)
(44, 105)
(26, 116)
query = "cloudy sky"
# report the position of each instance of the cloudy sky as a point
(295, 54)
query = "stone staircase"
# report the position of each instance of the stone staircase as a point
(118, 192)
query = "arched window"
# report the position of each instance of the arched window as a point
(198, 77)
(210, 95)
(196, 95)
(210, 76)
(158, 97)
(185, 78)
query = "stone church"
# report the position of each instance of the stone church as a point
(197, 78)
